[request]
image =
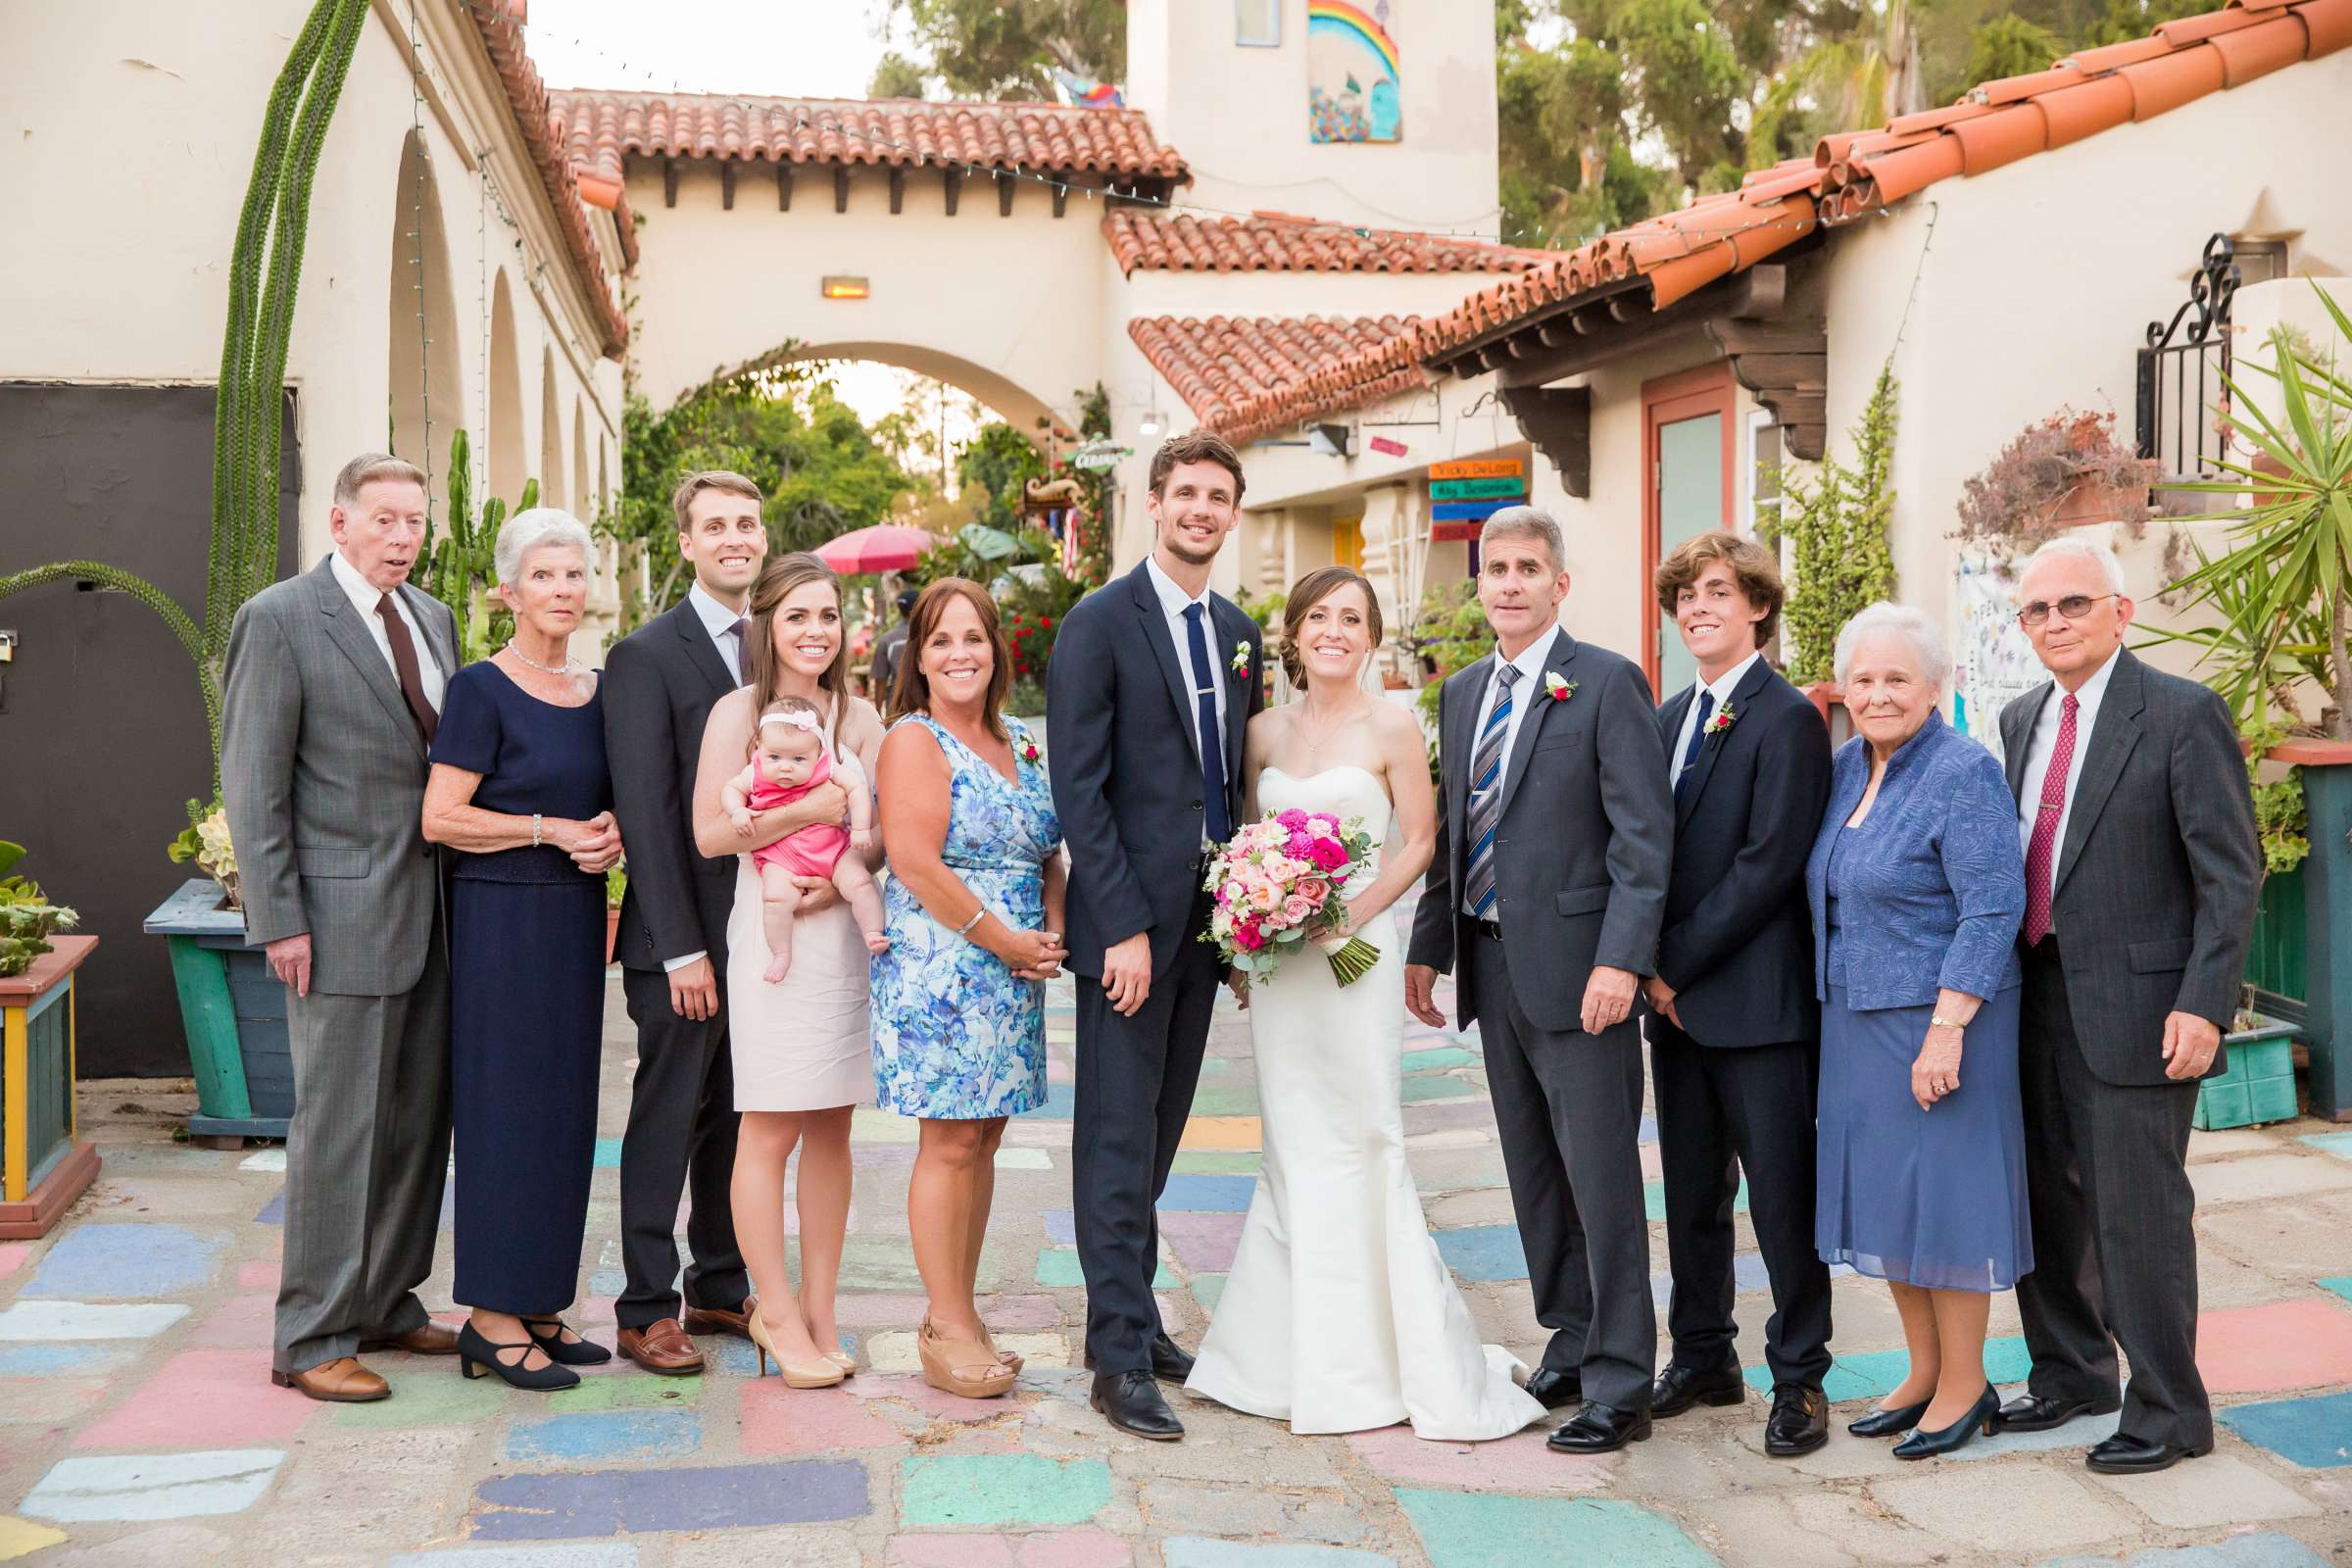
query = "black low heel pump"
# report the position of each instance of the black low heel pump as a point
(1890, 1422)
(1926, 1445)
(549, 1333)
(478, 1355)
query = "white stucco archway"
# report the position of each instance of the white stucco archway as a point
(424, 382)
(501, 468)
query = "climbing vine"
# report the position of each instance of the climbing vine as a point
(1837, 525)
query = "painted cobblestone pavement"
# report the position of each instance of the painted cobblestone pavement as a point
(137, 1425)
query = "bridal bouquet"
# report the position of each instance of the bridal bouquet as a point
(1277, 885)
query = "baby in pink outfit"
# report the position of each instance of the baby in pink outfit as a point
(789, 757)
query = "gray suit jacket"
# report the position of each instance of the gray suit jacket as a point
(322, 771)
(2155, 883)
(1584, 843)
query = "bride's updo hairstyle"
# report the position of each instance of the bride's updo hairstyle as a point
(1306, 593)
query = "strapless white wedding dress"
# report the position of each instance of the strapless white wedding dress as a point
(1339, 1315)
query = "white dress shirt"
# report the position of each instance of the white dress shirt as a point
(365, 596)
(1524, 696)
(719, 621)
(1722, 690)
(2043, 739)
(1173, 601)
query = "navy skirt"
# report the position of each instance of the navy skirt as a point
(1935, 1198)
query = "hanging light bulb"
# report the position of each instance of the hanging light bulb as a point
(1150, 425)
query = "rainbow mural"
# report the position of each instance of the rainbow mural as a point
(1353, 79)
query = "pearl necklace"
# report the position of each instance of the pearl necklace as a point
(564, 668)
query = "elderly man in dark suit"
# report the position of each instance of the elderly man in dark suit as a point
(335, 680)
(1734, 1033)
(1555, 831)
(1154, 679)
(2142, 867)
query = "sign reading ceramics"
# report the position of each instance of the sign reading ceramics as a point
(1352, 80)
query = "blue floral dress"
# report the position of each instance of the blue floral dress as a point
(956, 1038)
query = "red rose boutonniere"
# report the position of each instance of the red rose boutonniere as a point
(1724, 719)
(1026, 749)
(1558, 690)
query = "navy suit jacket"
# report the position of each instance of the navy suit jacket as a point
(1125, 769)
(1738, 942)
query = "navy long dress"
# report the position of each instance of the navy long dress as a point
(526, 997)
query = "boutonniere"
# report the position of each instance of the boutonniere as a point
(1558, 690)
(1026, 749)
(1240, 656)
(1724, 719)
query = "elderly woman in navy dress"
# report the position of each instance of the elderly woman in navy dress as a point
(975, 916)
(519, 790)
(1918, 887)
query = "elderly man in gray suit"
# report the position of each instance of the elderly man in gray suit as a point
(2141, 870)
(334, 690)
(1554, 832)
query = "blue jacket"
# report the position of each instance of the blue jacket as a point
(1936, 883)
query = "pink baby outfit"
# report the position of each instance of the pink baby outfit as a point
(812, 850)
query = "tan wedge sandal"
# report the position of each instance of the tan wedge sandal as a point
(961, 1367)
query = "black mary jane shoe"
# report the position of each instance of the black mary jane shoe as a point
(478, 1355)
(2035, 1412)
(1888, 1420)
(549, 1331)
(1679, 1387)
(1599, 1427)
(1800, 1421)
(1926, 1445)
(1552, 1386)
(2124, 1455)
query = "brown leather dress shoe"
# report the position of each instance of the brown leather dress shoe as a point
(720, 1320)
(342, 1381)
(433, 1339)
(662, 1347)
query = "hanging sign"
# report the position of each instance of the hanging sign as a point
(1465, 511)
(1477, 489)
(1453, 530)
(1478, 468)
(1386, 447)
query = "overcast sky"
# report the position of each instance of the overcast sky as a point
(803, 48)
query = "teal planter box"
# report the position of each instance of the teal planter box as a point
(233, 1010)
(2260, 1083)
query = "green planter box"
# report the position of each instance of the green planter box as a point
(233, 1010)
(2260, 1083)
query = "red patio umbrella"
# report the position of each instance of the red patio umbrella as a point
(884, 547)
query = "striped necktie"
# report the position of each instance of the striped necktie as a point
(1486, 794)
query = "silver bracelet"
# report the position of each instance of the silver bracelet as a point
(535, 826)
(979, 914)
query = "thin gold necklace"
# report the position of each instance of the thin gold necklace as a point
(1331, 732)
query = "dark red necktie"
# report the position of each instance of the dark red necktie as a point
(403, 663)
(2041, 852)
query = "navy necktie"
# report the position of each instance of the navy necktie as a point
(1699, 737)
(1212, 745)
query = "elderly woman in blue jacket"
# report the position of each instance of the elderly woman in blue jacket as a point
(1918, 887)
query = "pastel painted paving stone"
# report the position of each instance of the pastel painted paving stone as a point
(1061, 1227)
(1011, 1489)
(1208, 1195)
(606, 1434)
(775, 1419)
(58, 1360)
(1222, 1133)
(222, 1391)
(1874, 1374)
(136, 1488)
(1208, 1290)
(11, 1257)
(1483, 1252)
(85, 1320)
(879, 1264)
(2285, 1345)
(572, 1504)
(108, 1262)
(1061, 1104)
(583, 1555)
(21, 1538)
(1038, 1549)
(1517, 1463)
(1218, 1162)
(1057, 1269)
(1440, 1087)
(1194, 1551)
(608, 1282)
(2263, 1549)
(1201, 1243)
(265, 1160)
(1235, 1101)
(1437, 1058)
(1653, 1200)
(2315, 1433)
(608, 1154)
(1010, 1159)
(274, 1212)
(2337, 1143)
(1467, 1530)
(439, 1397)
(2341, 1286)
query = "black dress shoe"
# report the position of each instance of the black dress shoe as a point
(1679, 1387)
(1926, 1445)
(1550, 1387)
(1599, 1427)
(1800, 1421)
(1169, 1360)
(2035, 1412)
(2127, 1456)
(1888, 1420)
(1132, 1403)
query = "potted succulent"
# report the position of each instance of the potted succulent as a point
(232, 1009)
(43, 1165)
(28, 919)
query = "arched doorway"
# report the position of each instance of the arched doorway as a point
(426, 386)
(554, 490)
(505, 473)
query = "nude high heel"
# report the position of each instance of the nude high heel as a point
(822, 1373)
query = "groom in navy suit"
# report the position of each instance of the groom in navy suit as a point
(1153, 681)
(1734, 1033)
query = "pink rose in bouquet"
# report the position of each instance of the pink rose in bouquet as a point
(1280, 883)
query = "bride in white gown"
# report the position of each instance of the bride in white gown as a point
(1339, 1315)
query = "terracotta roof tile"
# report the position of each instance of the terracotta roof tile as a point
(1852, 172)
(601, 129)
(1280, 242)
(500, 23)
(1243, 377)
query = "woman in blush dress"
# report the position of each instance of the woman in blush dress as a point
(1339, 1315)
(798, 1046)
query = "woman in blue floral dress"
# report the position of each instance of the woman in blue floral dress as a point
(974, 909)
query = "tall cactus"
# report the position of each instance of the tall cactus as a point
(460, 566)
(246, 419)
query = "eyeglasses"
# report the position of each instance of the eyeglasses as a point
(2073, 607)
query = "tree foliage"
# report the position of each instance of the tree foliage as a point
(987, 50)
(1837, 526)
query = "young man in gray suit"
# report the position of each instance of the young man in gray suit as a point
(333, 693)
(1555, 826)
(2141, 870)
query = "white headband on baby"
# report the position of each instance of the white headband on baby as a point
(798, 721)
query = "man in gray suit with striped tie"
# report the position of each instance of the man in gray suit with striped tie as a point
(333, 693)
(1544, 897)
